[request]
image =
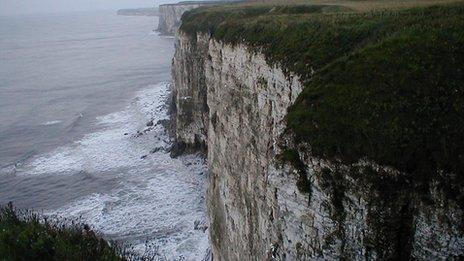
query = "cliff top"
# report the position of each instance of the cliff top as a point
(203, 2)
(385, 85)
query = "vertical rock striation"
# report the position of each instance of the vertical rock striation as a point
(230, 100)
(189, 92)
(247, 100)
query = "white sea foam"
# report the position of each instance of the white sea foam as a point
(51, 123)
(157, 200)
(158, 207)
(109, 148)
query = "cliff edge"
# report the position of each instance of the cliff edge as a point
(330, 133)
(170, 16)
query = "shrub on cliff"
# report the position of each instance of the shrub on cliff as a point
(27, 236)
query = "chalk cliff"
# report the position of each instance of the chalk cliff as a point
(230, 100)
(170, 15)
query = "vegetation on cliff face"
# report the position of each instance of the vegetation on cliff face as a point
(27, 236)
(382, 106)
(291, 156)
(386, 85)
(397, 100)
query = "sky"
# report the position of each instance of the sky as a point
(10, 7)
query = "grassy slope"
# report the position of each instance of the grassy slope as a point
(383, 85)
(23, 237)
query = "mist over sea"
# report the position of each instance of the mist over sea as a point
(82, 101)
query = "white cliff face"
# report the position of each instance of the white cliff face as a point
(170, 15)
(247, 102)
(189, 92)
(229, 99)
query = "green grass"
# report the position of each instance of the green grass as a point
(396, 99)
(385, 85)
(27, 236)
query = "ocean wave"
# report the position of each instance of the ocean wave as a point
(51, 123)
(157, 201)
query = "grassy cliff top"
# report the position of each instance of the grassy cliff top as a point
(385, 85)
(210, 2)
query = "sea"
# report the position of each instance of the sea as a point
(83, 110)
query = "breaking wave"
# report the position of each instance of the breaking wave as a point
(157, 204)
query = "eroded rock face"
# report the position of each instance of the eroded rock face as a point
(170, 15)
(189, 90)
(230, 100)
(247, 99)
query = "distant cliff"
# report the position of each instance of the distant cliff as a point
(139, 12)
(170, 15)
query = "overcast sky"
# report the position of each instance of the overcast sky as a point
(56, 6)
